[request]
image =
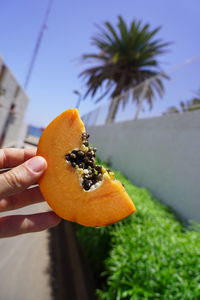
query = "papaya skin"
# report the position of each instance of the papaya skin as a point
(60, 184)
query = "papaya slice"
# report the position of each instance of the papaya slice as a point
(74, 186)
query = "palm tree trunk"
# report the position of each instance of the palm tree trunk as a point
(138, 109)
(141, 99)
(113, 108)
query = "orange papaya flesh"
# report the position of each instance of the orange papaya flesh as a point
(73, 185)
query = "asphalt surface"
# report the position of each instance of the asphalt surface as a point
(24, 263)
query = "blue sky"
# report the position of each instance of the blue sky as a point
(70, 27)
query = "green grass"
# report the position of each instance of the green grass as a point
(149, 255)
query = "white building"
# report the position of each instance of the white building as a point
(13, 104)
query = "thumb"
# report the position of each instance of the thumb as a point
(21, 177)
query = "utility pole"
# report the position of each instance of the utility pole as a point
(37, 45)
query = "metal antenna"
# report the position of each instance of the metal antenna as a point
(38, 43)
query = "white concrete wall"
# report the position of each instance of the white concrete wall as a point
(8, 83)
(11, 118)
(15, 126)
(162, 154)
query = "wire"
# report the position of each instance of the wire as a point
(38, 44)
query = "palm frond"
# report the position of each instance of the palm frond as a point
(113, 32)
(123, 29)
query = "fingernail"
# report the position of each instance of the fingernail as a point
(36, 164)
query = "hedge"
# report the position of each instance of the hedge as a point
(149, 255)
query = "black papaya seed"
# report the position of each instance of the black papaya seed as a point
(67, 156)
(86, 160)
(99, 177)
(72, 155)
(80, 153)
(86, 187)
(98, 168)
(91, 163)
(90, 153)
(86, 143)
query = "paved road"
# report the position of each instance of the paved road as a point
(24, 264)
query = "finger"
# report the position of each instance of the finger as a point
(21, 177)
(19, 224)
(22, 199)
(11, 157)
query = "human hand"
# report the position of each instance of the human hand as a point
(27, 169)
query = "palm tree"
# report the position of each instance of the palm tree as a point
(126, 58)
(193, 104)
